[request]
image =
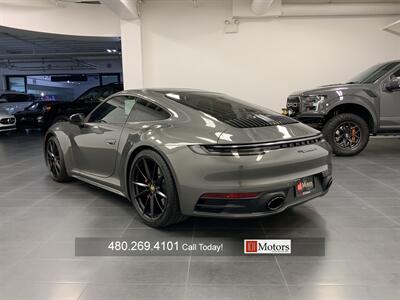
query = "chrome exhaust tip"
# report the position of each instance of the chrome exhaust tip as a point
(275, 203)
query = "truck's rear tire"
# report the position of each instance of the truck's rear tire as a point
(348, 134)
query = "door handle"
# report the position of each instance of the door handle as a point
(111, 142)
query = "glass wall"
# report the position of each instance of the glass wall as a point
(16, 83)
(109, 78)
(59, 87)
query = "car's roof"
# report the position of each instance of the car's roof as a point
(392, 61)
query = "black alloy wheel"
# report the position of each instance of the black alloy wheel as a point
(55, 160)
(153, 191)
(149, 188)
(348, 134)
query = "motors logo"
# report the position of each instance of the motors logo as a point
(267, 246)
(251, 246)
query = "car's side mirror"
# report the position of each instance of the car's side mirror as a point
(77, 119)
(393, 85)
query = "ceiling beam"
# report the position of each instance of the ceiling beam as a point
(393, 28)
(125, 9)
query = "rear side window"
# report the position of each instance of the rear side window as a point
(144, 110)
(114, 111)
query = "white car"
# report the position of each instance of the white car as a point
(7, 122)
(13, 102)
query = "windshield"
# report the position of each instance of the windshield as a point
(34, 106)
(373, 73)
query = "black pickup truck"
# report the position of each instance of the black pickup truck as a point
(347, 114)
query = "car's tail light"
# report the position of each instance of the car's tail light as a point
(229, 195)
(253, 149)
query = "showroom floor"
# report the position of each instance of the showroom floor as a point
(39, 220)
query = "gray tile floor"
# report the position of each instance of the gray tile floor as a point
(39, 219)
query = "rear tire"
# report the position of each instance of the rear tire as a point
(152, 190)
(348, 134)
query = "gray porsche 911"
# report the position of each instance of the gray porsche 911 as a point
(175, 153)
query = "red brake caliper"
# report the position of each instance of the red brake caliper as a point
(353, 135)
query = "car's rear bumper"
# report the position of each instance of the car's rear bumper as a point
(275, 172)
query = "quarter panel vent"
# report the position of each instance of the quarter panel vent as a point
(260, 121)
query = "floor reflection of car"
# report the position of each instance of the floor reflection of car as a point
(42, 114)
(177, 153)
(12, 102)
(7, 122)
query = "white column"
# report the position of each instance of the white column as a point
(131, 44)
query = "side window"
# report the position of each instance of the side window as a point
(396, 75)
(115, 111)
(91, 96)
(147, 111)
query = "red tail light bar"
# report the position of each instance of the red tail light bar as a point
(229, 195)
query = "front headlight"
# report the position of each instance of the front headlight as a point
(312, 103)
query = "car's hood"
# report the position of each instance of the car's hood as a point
(4, 114)
(22, 113)
(275, 133)
(330, 88)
